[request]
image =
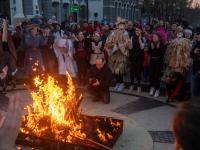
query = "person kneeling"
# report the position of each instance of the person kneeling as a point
(99, 79)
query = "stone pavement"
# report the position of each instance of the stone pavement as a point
(147, 120)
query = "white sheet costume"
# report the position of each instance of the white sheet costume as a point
(64, 52)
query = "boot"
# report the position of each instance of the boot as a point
(152, 91)
(157, 93)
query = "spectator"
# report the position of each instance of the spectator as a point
(81, 57)
(136, 55)
(34, 63)
(100, 78)
(195, 81)
(130, 29)
(156, 51)
(47, 51)
(8, 55)
(97, 48)
(186, 126)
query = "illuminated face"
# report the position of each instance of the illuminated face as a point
(34, 31)
(80, 36)
(99, 64)
(96, 38)
(121, 28)
(137, 31)
(155, 38)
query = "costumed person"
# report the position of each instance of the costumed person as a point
(156, 52)
(81, 56)
(34, 63)
(47, 51)
(8, 56)
(136, 58)
(64, 55)
(57, 31)
(97, 48)
(117, 46)
(177, 61)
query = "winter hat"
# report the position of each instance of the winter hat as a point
(188, 31)
(96, 34)
(61, 43)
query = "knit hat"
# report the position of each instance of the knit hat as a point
(61, 42)
(96, 34)
(188, 31)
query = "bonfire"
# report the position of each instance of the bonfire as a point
(54, 116)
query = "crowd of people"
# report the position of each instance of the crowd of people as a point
(165, 55)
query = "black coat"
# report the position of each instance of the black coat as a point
(103, 75)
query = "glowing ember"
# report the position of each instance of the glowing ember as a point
(53, 113)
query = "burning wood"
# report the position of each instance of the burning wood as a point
(54, 116)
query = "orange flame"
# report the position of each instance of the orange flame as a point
(53, 110)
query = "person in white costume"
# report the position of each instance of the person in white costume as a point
(64, 52)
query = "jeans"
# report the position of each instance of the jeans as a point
(9, 60)
(99, 94)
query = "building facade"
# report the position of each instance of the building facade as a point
(127, 9)
(88, 9)
(111, 9)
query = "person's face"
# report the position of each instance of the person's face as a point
(198, 37)
(121, 28)
(99, 64)
(187, 35)
(78, 26)
(85, 25)
(90, 24)
(106, 27)
(147, 28)
(65, 36)
(137, 31)
(155, 38)
(34, 31)
(174, 26)
(57, 28)
(98, 29)
(130, 25)
(96, 38)
(111, 25)
(47, 31)
(80, 36)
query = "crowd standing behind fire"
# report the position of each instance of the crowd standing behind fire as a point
(165, 55)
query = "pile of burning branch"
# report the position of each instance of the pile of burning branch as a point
(54, 117)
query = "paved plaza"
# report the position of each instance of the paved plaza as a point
(147, 121)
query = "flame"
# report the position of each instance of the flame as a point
(53, 111)
(103, 136)
(35, 66)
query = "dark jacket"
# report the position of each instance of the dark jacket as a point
(196, 57)
(104, 76)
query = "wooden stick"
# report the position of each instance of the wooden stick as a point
(99, 144)
(91, 141)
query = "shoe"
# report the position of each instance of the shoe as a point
(116, 87)
(121, 87)
(157, 93)
(139, 90)
(3, 73)
(151, 92)
(14, 72)
(131, 88)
